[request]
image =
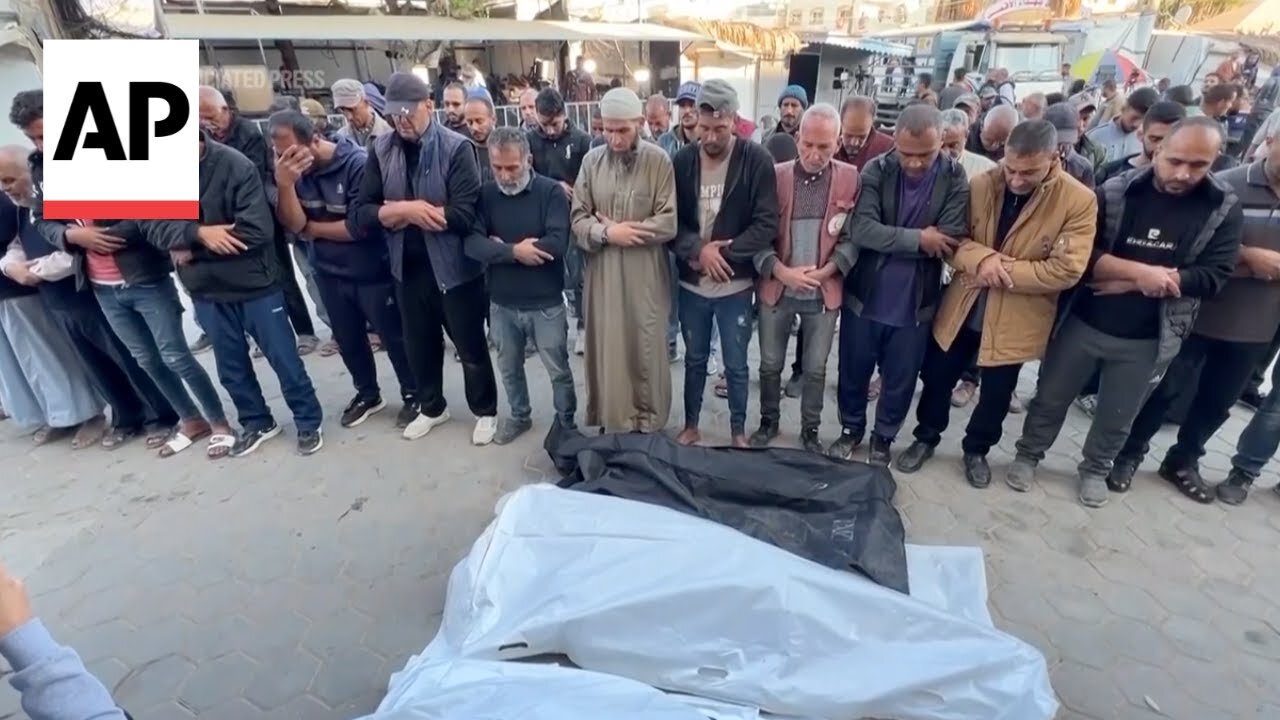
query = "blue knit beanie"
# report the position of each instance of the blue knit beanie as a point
(795, 92)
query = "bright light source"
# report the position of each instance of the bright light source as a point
(422, 72)
(641, 75)
(589, 65)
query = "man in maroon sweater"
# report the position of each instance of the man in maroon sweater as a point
(860, 142)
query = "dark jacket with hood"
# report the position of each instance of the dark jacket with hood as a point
(328, 194)
(230, 194)
(139, 261)
(873, 229)
(748, 210)
(244, 137)
(559, 158)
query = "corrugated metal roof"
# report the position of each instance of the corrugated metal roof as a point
(865, 44)
(371, 28)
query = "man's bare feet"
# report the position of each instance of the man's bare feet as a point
(689, 436)
(740, 441)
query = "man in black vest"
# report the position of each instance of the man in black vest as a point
(137, 405)
(420, 188)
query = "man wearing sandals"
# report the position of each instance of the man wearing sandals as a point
(318, 182)
(137, 405)
(1231, 337)
(228, 264)
(1167, 240)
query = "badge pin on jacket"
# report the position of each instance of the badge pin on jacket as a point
(836, 224)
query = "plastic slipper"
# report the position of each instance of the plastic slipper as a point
(375, 342)
(722, 388)
(157, 437)
(329, 349)
(180, 441)
(115, 437)
(56, 434)
(219, 446)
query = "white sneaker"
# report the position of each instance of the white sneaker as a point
(580, 345)
(423, 424)
(486, 428)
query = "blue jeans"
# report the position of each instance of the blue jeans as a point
(511, 330)
(148, 320)
(699, 316)
(266, 320)
(1261, 437)
(899, 352)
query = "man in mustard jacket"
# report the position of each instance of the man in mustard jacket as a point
(1032, 227)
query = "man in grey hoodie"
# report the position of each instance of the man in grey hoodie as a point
(51, 678)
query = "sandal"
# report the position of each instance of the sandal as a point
(219, 446)
(180, 441)
(307, 344)
(329, 349)
(375, 342)
(115, 437)
(89, 433)
(1189, 483)
(722, 388)
(46, 435)
(157, 437)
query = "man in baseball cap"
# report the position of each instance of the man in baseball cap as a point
(684, 131)
(363, 122)
(1066, 121)
(724, 223)
(317, 114)
(970, 105)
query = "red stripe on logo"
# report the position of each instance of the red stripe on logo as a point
(122, 210)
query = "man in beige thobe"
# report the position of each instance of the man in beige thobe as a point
(624, 213)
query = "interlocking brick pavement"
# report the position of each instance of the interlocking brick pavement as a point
(286, 587)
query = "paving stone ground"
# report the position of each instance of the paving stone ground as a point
(286, 587)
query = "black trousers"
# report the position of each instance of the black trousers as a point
(1223, 369)
(941, 371)
(427, 314)
(354, 306)
(132, 395)
(294, 302)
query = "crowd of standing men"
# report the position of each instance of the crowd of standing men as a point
(968, 243)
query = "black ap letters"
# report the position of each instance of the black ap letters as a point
(90, 98)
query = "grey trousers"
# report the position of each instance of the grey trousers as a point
(1129, 373)
(817, 330)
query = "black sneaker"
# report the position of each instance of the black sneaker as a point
(1235, 489)
(843, 447)
(795, 386)
(1252, 399)
(976, 470)
(251, 440)
(765, 435)
(407, 413)
(509, 430)
(1121, 477)
(310, 442)
(914, 457)
(361, 409)
(809, 440)
(878, 453)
